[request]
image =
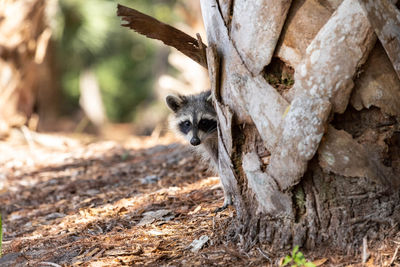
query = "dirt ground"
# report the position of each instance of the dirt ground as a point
(70, 201)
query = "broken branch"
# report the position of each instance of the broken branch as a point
(154, 29)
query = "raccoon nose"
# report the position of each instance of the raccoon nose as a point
(195, 141)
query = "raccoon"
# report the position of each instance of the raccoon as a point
(196, 120)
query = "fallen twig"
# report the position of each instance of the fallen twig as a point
(264, 254)
(394, 255)
(365, 254)
(50, 264)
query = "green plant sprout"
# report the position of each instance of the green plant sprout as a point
(297, 259)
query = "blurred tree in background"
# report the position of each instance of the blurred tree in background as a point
(73, 64)
(88, 36)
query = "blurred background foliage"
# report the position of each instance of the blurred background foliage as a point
(72, 67)
(88, 35)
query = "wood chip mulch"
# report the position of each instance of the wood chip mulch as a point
(66, 202)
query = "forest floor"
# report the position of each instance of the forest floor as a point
(70, 201)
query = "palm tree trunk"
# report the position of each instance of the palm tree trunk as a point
(303, 166)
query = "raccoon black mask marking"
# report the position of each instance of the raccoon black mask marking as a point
(196, 120)
(195, 117)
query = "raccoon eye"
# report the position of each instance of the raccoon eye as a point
(185, 126)
(207, 125)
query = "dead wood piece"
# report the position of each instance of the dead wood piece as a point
(304, 20)
(394, 255)
(198, 244)
(135, 250)
(252, 99)
(225, 116)
(227, 175)
(46, 263)
(152, 28)
(250, 30)
(378, 85)
(341, 154)
(323, 82)
(385, 19)
(217, 34)
(365, 254)
(270, 198)
(213, 62)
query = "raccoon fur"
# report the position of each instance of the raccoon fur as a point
(195, 119)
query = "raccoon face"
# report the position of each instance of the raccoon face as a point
(194, 117)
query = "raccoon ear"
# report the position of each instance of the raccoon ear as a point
(174, 102)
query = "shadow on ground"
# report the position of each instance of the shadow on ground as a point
(105, 204)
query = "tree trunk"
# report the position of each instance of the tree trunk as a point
(304, 167)
(24, 62)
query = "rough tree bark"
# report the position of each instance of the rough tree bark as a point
(303, 166)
